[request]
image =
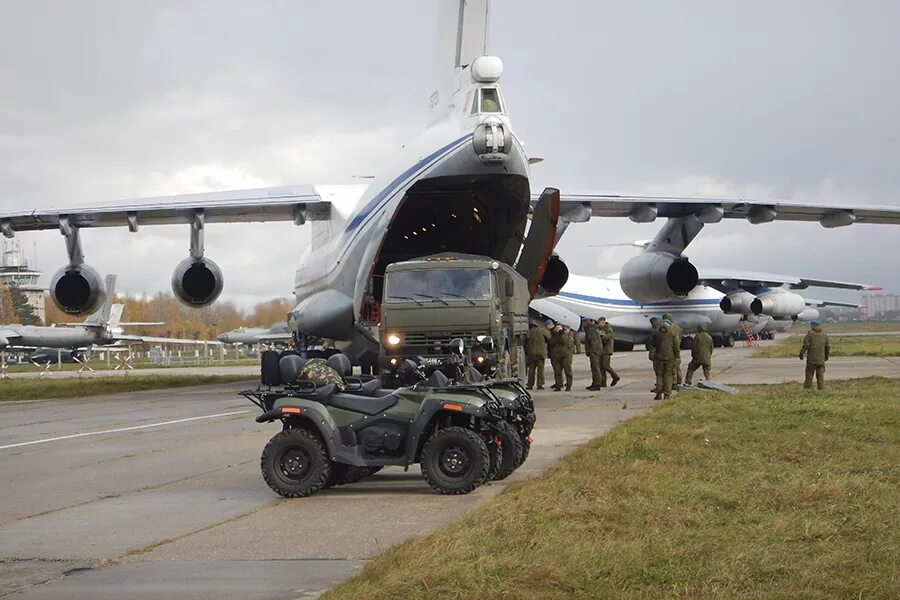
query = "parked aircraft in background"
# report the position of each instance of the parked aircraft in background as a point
(721, 302)
(279, 333)
(462, 186)
(102, 328)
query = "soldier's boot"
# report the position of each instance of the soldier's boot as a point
(614, 381)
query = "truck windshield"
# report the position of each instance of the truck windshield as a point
(444, 285)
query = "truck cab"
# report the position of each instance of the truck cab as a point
(431, 300)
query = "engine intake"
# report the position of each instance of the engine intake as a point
(197, 281)
(741, 303)
(657, 276)
(555, 275)
(77, 289)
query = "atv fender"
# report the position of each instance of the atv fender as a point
(435, 408)
(307, 414)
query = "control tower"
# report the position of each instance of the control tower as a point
(14, 271)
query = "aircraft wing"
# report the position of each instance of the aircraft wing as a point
(292, 203)
(821, 303)
(144, 339)
(722, 279)
(274, 337)
(577, 208)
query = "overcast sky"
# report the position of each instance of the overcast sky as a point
(102, 100)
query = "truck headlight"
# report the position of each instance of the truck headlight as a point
(393, 339)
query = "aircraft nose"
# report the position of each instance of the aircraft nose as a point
(223, 338)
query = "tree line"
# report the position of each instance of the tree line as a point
(180, 321)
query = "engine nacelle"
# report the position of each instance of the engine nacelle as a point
(807, 315)
(781, 304)
(657, 276)
(555, 275)
(197, 281)
(77, 289)
(740, 303)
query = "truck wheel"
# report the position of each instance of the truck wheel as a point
(518, 370)
(294, 463)
(505, 366)
(455, 460)
(511, 451)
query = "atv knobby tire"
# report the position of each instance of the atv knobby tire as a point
(295, 464)
(512, 454)
(526, 448)
(496, 455)
(455, 460)
(355, 474)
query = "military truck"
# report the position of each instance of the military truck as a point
(431, 300)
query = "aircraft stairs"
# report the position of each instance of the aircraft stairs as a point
(749, 339)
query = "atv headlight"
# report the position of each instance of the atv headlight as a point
(393, 339)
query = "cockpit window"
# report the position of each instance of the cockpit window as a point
(490, 100)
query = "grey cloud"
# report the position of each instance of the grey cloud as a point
(103, 100)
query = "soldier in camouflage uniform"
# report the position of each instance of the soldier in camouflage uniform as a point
(592, 348)
(655, 322)
(608, 341)
(676, 364)
(663, 349)
(816, 349)
(320, 372)
(561, 349)
(701, 354)
(536, 353)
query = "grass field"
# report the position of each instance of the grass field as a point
(854, 326)
(772, 493)
(869, 345)
(39, 389)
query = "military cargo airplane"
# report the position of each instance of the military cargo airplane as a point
(462, 186)
(714, 303)
(256, 335)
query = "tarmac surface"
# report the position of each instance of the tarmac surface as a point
(153, 494)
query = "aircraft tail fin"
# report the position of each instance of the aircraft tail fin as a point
(101, 317)
(461, 36)
(115, 314)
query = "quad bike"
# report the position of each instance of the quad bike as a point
(461, 431)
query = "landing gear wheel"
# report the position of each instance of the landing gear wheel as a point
(511, 451)
(294, 463)
(728, 341)
(455, 460)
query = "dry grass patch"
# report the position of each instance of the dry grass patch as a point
(774, 493)
(869, 345)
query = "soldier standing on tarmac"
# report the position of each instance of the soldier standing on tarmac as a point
(655, 322)
(561, 349)
(663, 347)
(679, 335)
(592, 348)
(816, 349)
(536, 353)
(608, 343)
(701, 354)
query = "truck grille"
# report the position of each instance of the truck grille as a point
(435, 338)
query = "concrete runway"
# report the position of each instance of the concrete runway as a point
(154, 494)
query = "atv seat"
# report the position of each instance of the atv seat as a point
(363, 388)
(362, 404)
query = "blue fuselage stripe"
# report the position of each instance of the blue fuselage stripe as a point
(698, 302)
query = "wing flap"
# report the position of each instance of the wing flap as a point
(720, 279)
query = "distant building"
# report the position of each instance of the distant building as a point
(14, 271)
(877, 306)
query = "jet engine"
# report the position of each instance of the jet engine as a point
(740, 303)
(807, 315)
(78, 289)
(197, 281)
(781, 304)
(555, 275)
(657, 276)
